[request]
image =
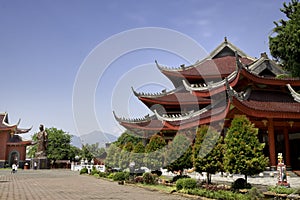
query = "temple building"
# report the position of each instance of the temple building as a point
(12, 147)
(214, 90)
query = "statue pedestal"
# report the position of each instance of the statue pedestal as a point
(40, 163)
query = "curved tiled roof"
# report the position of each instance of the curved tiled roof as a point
(218, 67)
(267, 104)
(4, 124)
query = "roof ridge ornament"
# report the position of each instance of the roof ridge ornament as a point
(295, 94)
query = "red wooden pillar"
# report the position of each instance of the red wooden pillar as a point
(287, 147)
(271, 136)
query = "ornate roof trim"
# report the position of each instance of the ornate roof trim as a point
(155, 95)
(146, 118)
(174, 69)
(5, 121)
(275, 69)
(209, 86)
(186, 116)
(295, 94)
(244, 95)
(228, 44)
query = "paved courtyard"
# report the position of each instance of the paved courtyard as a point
(65, 184)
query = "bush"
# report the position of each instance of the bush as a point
(149, 178)
(240, 183)
(175, 178)
(254, 193)
(83, 171)
(103, 174)
(220, 194)
(94, 171)
(281, 190)
(179, 184)
(139, 179)
(111, 175)
(186, 183)
(121, 176)
(96, 175)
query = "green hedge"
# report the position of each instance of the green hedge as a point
(186, 183)
(83, 171)
(121, 176)
(149, 178)
(220, 194)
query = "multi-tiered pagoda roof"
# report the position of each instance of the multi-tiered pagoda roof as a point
(226, 83)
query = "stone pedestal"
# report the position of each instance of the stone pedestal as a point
(40, 163)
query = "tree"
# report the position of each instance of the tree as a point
(284, 46)
(243, 151)
(125, 155)
(92, 150)
(178, 154)
(138, 155)
(155, 154)
(59, 147)
(127, 137)
(208, 151)
(112, 158)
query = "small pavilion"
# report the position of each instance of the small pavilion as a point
(12, 147)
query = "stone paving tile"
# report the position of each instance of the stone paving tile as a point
(65, 184)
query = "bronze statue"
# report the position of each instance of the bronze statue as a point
(42, 142)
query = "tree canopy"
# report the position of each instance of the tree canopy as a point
(59, 147)
(243, 151)
(178, 154)
(208, 151)
(284, 45)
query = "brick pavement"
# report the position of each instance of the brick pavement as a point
(65, 184)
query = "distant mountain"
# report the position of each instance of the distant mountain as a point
(93, 138)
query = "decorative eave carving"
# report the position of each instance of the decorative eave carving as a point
(188, 115)
(244, 95)
(175, 69)
(295, 94)
(154, 95)
(146, 118)
(210, 86)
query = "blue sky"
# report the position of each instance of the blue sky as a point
(43, 44)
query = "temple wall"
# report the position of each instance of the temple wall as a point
(4, 136)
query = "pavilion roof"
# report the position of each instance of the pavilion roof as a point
(172, 98)
(263, 103)
(218, 64)
(213, 112)
(4, 124)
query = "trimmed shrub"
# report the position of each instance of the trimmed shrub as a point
(186, 183)
(175, 178)
(281, 189)
(149, 178)
(139, 179)
(103, 174)
(189, 183)
(83, 171)
(240, 183)
(94, 171)
(121, 176)
(111, 175)
(179, 184)
(254, 193)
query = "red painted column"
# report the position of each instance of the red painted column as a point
(287, 147)
(271, 137)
